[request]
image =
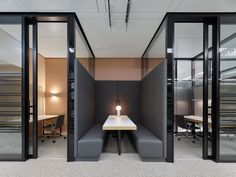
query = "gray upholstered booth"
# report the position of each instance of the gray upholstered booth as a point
(150, 147)
(91, 144)
(143, 101)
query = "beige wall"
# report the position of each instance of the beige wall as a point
(117, 69)
(153, 63)
(41, 82)
(56, 82)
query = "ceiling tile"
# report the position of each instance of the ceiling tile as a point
(11, 6)
(66, 5)
(207, 6)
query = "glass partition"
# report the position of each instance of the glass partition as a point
(227, 120)
(82, 52)
(10, 88)
(156, 52)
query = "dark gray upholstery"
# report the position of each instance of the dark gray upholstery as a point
(150, 147)
(84, 102)
(154, 103)
(106, 95)
(91, 144)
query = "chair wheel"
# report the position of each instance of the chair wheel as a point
(64, 137)
(54, 141)
(179, 139)
(42, 141)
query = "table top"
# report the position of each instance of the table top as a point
(122, 122)
(44, 117)
(196, 119)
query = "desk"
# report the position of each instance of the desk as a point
(196, 119)
(41, 120)
(119, 123)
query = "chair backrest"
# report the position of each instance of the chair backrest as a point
(181, 121)
(59, 121)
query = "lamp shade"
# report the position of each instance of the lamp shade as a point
(118, 107)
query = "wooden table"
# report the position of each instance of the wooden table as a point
(197, 119)
(44, 118)
(41, 120)
(119, 123)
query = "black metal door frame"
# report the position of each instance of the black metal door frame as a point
(212, 19)
(26, 85)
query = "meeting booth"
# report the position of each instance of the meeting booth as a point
(111, 114)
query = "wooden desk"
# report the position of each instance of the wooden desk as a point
(119, 123)
(197, 119)
(44, 118)
(41, 120)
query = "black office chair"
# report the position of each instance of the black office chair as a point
(53, 128)
(188, 127)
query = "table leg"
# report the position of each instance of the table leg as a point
(43, 127)
(118, 142)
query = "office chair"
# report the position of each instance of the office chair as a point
(188, 127)
(53, 128)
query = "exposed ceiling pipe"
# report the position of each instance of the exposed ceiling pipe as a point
(127, 13)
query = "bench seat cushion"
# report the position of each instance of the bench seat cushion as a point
(91, 144)
(150, 147)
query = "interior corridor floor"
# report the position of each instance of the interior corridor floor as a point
(48, 149)
(185, 149)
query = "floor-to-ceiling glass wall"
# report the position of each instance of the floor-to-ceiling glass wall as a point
(188, 90)
(11, 88)
(227, 119)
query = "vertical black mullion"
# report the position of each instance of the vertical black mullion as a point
(215, 88)
(70, 87)
(193, 61)
(35, 88)
(25, 88)
(170, 87)
(175, 104)
(205, 91)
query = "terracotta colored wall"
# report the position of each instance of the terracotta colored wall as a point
(56, 82)
(41, 82)
(117, 69)
(153, 63)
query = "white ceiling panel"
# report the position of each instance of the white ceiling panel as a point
(52, 47)
(12, 5)
(144, 6)
(207, 6)
(65, 5)
(52, 30)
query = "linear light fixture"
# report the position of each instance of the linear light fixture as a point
(109, 11)
(127, 13)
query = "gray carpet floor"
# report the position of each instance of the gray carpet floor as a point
(52, 163)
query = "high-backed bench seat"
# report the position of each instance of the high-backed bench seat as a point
(150, 147)
(91, 144)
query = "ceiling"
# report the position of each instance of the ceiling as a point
(119, 40)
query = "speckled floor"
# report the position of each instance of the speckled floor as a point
(52, 163)
(112, 165)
